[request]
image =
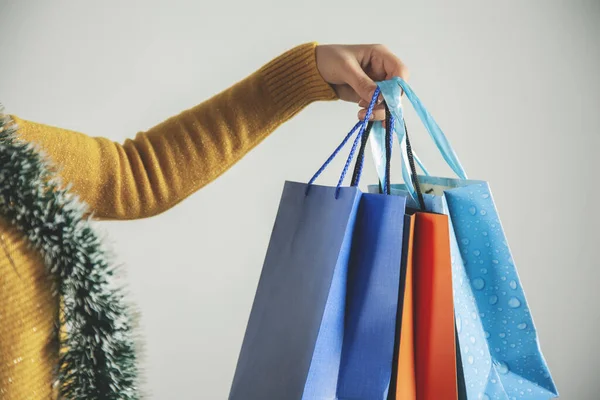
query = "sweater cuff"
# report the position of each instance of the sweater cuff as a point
(294, 81)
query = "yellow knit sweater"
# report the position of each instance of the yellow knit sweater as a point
(139, 178)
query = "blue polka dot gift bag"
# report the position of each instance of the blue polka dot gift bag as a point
(500, 356)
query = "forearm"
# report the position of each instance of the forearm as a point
(164, 165)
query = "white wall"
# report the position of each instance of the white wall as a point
(514, 84)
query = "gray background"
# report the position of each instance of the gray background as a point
(515, 84)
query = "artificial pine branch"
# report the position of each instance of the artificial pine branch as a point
(97, 356)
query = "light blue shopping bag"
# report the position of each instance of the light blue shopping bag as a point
(499, 346)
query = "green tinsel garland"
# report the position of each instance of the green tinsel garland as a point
(98, 359)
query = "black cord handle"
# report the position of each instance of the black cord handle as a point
(388, 156)
(389, 129)
(360, 159)
(413, 170)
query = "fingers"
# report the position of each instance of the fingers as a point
(378, 113)
(365, 104)
(346, 93)
(383, 64)
(356, 70)
(360, 81)
(392, 65)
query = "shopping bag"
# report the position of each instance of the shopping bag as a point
(323, 317)
(297, 318)
(499, 345)
(372, 299)
(435, 343)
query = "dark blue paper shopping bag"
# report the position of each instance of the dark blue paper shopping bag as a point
(322, 325)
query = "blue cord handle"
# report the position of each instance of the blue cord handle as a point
(363, 126)
(335, 153)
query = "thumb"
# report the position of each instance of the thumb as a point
(360, 81)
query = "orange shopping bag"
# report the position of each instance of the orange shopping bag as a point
(434, 330)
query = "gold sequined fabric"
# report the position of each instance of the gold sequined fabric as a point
(139, 178)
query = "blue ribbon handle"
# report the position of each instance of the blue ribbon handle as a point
(363, 126)
(391, 92)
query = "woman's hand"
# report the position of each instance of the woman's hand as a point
(353, 69)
